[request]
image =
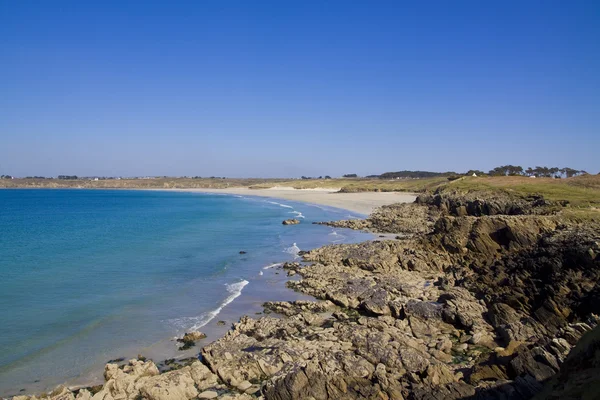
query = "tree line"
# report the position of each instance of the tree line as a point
(540, 172)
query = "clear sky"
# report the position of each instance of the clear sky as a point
(290, 88)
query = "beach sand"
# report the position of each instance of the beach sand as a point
(362, 202)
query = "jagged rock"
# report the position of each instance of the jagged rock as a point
(438, 374)
(579, 376)
(476, 204)
(487, 373)
(404, 218)
(508, 324)
(83, 394)
(292, 221)
(296, 307)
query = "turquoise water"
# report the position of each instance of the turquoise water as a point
(90, 275)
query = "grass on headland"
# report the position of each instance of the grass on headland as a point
(581, 191)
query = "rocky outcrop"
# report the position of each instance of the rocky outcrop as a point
(289, 308)
(481, 203)
(142, 380)
(486, 298)
(291, 222)
(579, 376)
(489, 303)
(401, 218)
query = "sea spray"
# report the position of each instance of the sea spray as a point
(293, 250)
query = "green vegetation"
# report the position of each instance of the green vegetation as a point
(581, 191)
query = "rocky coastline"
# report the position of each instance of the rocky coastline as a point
(480, 296)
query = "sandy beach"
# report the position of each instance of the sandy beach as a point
(362, 202)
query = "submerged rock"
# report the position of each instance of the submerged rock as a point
(190, 338)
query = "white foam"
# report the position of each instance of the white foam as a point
(293, 250)
(272, 265)
(234, 290)
(260, 273)
(337, 238)
(279, 204)
(298, 214)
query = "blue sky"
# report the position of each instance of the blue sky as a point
(290, 88)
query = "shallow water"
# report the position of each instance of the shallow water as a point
(91, 275)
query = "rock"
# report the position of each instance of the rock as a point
(423, 309)
(83, 394)
(190, 338)
(244, 385)
(525, 364)
(242, 252)
(292, 221)
(579, 376)
(194, 336)
(172, 385)
(208, 394)
(290, 308)
(438, 374)
(409, 219)
(487, 373)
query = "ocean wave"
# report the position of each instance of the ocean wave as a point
(272, 265)
(298, 214)
(279, 204)
(195, 323)
(337, 238)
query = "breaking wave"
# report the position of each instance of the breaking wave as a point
(298, 214)
(272, 265)
(279, 204)
(195, 323)
(293, 250)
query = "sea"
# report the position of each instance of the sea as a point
(88, 276)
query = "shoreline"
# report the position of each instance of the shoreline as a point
(363, 203)
(445, 311)
(247, 303)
